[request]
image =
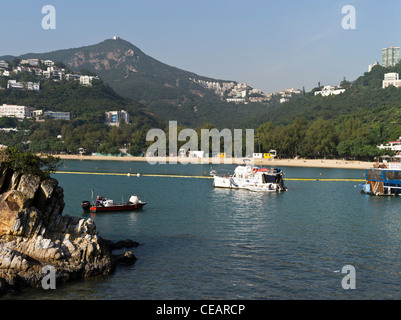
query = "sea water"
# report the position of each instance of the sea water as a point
(198, 242)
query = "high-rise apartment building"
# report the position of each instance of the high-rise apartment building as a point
(390, 56)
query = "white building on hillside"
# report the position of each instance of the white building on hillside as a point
(236, 100)
(376, 63)
(86, 80)
(329, 90)
(113, 118)
(391, 79)
(19, 112)
(3, 64)
(48, 63)
(13, 84)
(72, 76)
(31, 62)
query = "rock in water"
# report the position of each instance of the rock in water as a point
(34, 234)
(125, 258)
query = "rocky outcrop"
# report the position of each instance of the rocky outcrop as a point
(34, 234)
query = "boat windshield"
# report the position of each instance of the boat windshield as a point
(268, 178)
(393, 175)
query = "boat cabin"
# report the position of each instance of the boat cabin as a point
(262, 175)
(383, 182)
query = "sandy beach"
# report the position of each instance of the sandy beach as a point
(315, 163)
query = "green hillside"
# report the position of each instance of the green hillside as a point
(361, 96)
(86, 129)
(166, 90)
(349, 125)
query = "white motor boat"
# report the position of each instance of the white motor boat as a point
(252, 178)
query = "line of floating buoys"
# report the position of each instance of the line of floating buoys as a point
(194, 177)
(129, 174)
(318, 179)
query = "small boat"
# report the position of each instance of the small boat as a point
(252, 178)
(108, 205)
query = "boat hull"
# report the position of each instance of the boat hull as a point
(117, 207)
(263, 189)
(231, 183)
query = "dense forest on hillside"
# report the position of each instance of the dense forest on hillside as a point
(361, 96)
(86, 129)
(351, 124)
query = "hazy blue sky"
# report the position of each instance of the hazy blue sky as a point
(271, 45)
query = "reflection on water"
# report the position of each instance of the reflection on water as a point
(197, 242)
(244, 198)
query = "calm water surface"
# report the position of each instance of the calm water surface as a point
(197, 242)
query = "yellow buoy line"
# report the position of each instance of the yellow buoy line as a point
(340, 180)
(192, 177)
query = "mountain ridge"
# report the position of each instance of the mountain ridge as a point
(168, 91)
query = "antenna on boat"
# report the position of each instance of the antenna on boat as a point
(92, 195)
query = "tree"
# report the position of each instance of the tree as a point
(62, 65)
(320, 139)
(263, 136)
(15, 63)
(352, 128)
(345, 84)
(294, 136)
(87, 72)
(134, 150)
(26, 77)
(40, 135)
(286, 140)
(3, 82)
(8, 122)
(28, 163)
(344, 148)
(107, 148)
(115, 136)
(73, 148)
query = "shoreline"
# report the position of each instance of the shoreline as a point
(306, 163)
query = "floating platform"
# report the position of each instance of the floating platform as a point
(382, 182)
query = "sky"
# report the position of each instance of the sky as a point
(271, 45)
